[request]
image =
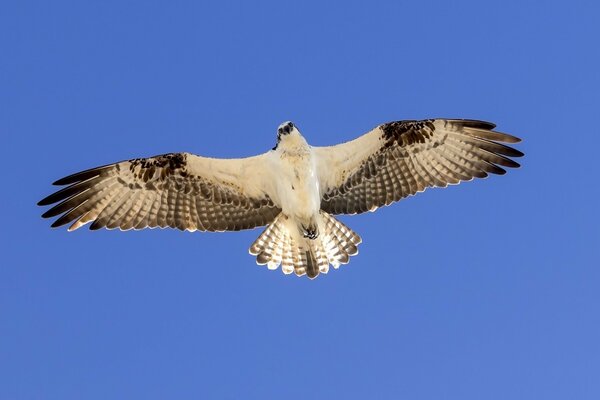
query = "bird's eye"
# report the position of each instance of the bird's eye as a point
(290, 124)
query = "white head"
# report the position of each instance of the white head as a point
(285, 129)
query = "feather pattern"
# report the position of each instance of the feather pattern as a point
(402, 158)
(277, 246)
(177, 190)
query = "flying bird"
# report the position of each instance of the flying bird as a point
(294, 189)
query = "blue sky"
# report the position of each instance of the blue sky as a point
(485, 290)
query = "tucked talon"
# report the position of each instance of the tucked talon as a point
(310, 232)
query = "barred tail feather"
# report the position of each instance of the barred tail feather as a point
(280, 244)
(340, 242)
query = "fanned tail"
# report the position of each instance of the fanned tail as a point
(282, 244)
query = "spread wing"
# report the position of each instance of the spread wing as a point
(399, 159)
(178, 190)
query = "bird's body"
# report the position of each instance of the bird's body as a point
(296, 180)
(294, 189)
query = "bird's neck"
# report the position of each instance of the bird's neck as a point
(294, 143)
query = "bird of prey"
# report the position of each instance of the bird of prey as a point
(294, 189)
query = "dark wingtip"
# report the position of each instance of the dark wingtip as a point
(48, 214)
(485, 125)
(46, 201)
(58, 223)
(69, 191)
(94, 226)
(81, 176)
(511, 139)
(67, 180)
(517, 153)
(475, 123)
(495, 169)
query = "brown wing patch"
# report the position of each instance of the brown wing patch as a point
(406, 133)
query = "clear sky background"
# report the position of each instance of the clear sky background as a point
(488, 290)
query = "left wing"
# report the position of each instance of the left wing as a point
(399, 159)
(177, 190)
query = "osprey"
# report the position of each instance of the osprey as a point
(294, 189)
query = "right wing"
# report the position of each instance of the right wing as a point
(178, 190)
(402, 158)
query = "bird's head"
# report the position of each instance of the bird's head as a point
(287, 129)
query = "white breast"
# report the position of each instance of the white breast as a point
(296, 183)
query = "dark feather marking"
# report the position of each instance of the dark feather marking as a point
(487, 144)
(69, 191)
(406, 133)
(65, 205)
(472, 123)
(81, 176)
(68, 217)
